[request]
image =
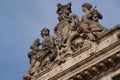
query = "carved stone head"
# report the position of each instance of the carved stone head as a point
(44, 32)
(35, 44)
(96, 15)
(86, 6)
(64, 9)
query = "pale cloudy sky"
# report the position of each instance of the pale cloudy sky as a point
(22, 20)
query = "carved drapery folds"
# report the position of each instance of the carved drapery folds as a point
(70, 35)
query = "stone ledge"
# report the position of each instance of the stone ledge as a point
(67, 66)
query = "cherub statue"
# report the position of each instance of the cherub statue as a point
(35, 49)
(32, 55)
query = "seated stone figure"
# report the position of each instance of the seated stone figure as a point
(86, 21)
(41, 58)
(90, 22)
(96, 28)
(35, 49)
(32, 55)
(48, 52)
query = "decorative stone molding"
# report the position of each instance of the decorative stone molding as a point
(98, 68)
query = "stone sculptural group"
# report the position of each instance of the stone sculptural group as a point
(71, 35)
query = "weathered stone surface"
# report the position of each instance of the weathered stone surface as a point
(79, 50)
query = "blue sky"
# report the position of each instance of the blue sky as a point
(22, 20)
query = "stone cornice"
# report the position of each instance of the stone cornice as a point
(99, 68)
(110, 33)
(102, 53)
(89, 62)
